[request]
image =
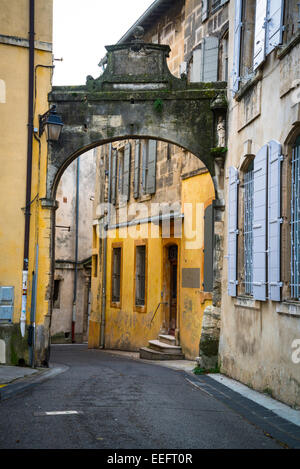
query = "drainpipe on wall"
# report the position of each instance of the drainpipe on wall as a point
(76, 249)
(29, 165)
(103, 309)
(31, 333)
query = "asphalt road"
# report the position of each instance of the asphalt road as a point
(121, 404)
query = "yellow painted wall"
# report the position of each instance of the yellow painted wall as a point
(126, 328)
(129, 329)
(14, 22)
(196, 190)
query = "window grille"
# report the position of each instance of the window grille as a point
(248, 230)
(140, 275)
(116, 276)
(295, 223)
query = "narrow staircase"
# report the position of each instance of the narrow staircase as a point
(162, 349)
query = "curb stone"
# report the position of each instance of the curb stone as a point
(28, 382)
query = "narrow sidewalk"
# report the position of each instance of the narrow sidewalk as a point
(16, 379)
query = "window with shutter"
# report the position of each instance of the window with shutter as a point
(114, 177)
(232, 231)
(274, 220)
(237, 45)
(204, 15)
(260, 33)
(116, 275)
(223, 73)
(121, 172)
(6, 304)
(205, 61)
(151, 167)
(248, 229)
(260, 224)
(136, 184)
(144, 166)
(197, 65)
(275, 11)
(295, 222)
(210, 59)
(126, 172)
(140, 276)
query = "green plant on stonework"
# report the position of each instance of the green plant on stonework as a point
(203, 371)
(218, 150)
(268, 391)
(158, 105)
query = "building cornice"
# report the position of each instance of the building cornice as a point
(22, 42)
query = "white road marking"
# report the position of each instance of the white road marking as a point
(62, 412)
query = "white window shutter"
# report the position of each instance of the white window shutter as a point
(210, 59)
(197, 65)
(232, 231)
(204, 10)
(136, 189)
(275, 12)
(144, 165)
(274, 220)
(260, 224)
(114, 177)
(237, 45)
(260, 33)
(126, 171)
(151, 167)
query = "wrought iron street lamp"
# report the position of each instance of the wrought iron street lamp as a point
(53, 124)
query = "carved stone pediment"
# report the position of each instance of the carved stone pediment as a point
(136, 66)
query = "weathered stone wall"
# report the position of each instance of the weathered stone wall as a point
(61, 323)
(257, 336)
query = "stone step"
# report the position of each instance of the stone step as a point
(165, 348)
(167, 339)
(147, 353)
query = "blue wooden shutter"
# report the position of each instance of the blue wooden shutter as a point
(204, 15)
(275, 10)
(260, 224)
(6, 303)
(237, 45)
(126, 172)
(114, 178)
(210, 59)
(151, 167)
(136, 188)
(274, 220)
(232, 230)
(144, 165)
(260, 33)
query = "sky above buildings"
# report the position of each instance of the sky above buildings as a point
(82, 29)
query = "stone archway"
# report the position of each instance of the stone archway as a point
(137, 97)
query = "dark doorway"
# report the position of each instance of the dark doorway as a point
(173, 261)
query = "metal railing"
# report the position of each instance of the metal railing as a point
(159, 304)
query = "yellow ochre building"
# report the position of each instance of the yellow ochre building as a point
(25, 81)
